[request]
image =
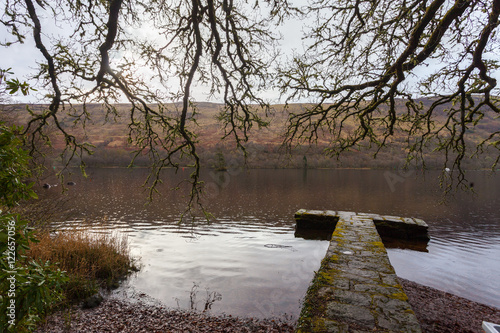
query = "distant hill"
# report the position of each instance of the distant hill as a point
(110, 137)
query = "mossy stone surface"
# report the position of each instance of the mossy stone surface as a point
(355, 288)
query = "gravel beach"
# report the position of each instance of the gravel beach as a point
(437, 311)
(441, 312)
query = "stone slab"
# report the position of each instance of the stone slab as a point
(356, 288)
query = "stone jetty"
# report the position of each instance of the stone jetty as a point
(356, 288)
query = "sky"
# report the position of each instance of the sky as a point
(23, 59)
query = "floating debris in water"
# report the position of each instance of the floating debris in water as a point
(278, 246)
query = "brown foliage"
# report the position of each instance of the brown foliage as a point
(91, 259)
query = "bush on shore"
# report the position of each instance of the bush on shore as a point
(38, 275)
(91, 260)
(54, 270)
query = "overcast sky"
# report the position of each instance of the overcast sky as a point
(23, 58)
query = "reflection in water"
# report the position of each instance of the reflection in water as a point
(250, 255)
(406, 244)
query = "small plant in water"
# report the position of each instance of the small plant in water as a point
(210, 299)
(192, 296)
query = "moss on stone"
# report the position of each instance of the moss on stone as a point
(311, 317)
(316, 313)
(378, 244)
(333, 258)
(399, 295)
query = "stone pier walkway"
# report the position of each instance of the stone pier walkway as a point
(356, 288)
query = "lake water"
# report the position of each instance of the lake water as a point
(248, 262)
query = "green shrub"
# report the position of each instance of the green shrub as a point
(28, 289)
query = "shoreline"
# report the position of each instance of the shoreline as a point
(437, 312)
(442, 312)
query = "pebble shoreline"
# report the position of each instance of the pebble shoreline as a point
(437, 312)
(115, 315)
(441, 312)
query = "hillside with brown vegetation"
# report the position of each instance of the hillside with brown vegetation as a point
(110, 133)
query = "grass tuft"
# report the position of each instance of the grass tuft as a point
(92, 260)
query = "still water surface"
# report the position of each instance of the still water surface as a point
(249, 263)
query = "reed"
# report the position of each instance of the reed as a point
(92, 260)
